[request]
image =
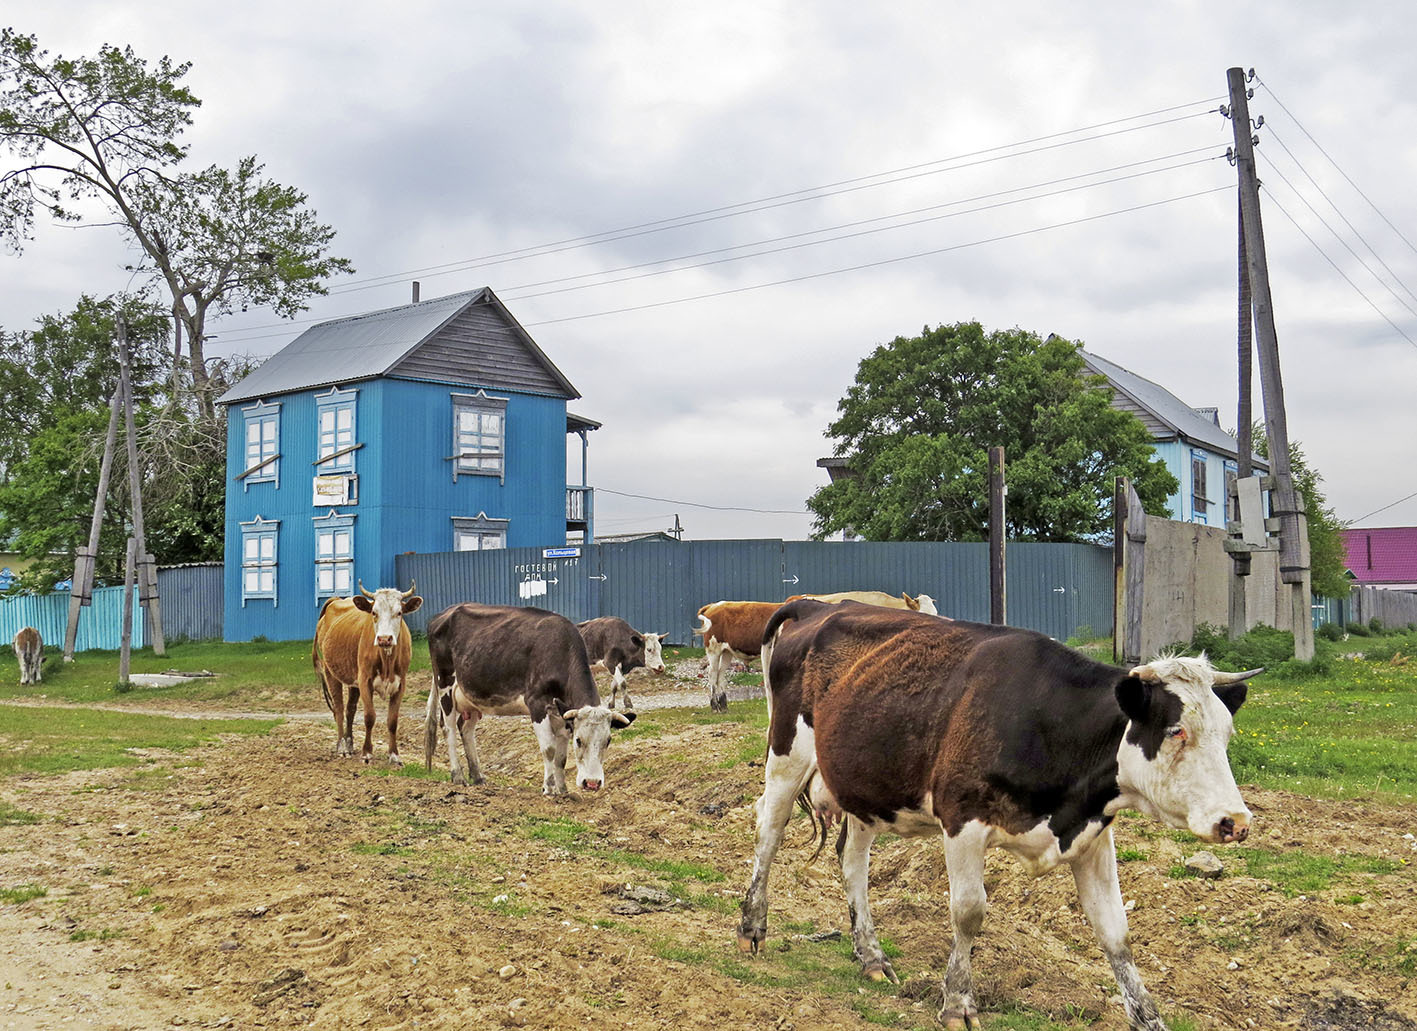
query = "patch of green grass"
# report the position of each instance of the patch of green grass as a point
(1300, 873)
(1398, 956)
(376, 848)
(22, 893)
(13, 817)
(1131, 855)
(106, 934)
(558, 830)
(51, 740)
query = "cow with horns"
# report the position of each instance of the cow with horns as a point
(361, 644)
(995, 736)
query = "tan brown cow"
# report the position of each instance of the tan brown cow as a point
(362, 644)
(731, 630)
(29, 649)
(921, 603)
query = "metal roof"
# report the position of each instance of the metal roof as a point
(366, 346)
(1183, 420)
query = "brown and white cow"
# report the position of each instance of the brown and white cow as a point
(507, 661)
(29, 650)
(997, 737)
(618, 647)
(920, 603)
(362, 644)
(731, 630)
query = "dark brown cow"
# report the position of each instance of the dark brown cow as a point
(998, 737)
(29, 650)
(505, 661)
(616, 645)
(731, 630)
(362, 643)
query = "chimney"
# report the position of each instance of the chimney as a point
(415, 291)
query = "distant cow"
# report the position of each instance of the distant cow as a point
(29, 649)
(731, 630)
(362, 643)
(997, 737)
(619, 647)
(506, 661)
(921, 603)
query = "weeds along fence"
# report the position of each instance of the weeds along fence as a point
(659, 586)
(1390, 608)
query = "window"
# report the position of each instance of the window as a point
(258, 559)
(479, 533)
(479, 435)
(334, 556)
(334, 428)
(1198, 499)
(1232, 503)
(262, 444)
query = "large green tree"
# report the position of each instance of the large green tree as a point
(1326, 556)
(916, 427)
(107, 129)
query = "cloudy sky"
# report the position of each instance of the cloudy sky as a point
(708, 214)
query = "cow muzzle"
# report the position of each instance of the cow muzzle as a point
(590, 785)
(385, 641)
(1230, 831)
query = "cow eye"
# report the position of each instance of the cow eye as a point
(1177, 733)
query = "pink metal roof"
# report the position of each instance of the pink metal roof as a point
(1386, 554)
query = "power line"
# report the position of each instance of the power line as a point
(802, 195)
(695, 504)
(1386, 507)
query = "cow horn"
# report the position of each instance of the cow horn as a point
(363, 591)
(412, 584)
(1222, 678)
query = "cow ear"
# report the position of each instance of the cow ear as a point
(1232, 696)
(623, 718)
(411, 604)
(1134, 696)
(362, 603)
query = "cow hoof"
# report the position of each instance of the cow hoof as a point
(394, 760)
(749, 942)
(628, 704)
(718, 703)
(957, 1021)
(881, 971)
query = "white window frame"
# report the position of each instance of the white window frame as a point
(259, 417)
(336, 439)
(1231, 474)
(471, 454)
(481, 531)
(1199, 514)
(260, 561)
(331, 558)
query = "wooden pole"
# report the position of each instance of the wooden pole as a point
(1119, 566)
(81, 593)
(998, 607)
(125, 649)
(146, 578)
(1238, 613)
(1284, 500)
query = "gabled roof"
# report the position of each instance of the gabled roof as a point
(1383, 554)
(387, 342)
(1178, 419)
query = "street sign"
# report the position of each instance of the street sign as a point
(560, 552)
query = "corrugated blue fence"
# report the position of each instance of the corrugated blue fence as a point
(100, 624)
(192, 600)
(660, 585)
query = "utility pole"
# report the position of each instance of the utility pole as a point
(1285, 502)
(81, 587)
(677, 529)
(145, 566)
(998, 608)
(1244, 467)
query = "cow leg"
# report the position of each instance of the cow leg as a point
(345, 717)
(783, 781)
(620, 685)
(717, 679)
(366, 697)
(1095, 872)
(964, 862)
(392, 722)
(467, 730)
(553, 744)
(853, 852)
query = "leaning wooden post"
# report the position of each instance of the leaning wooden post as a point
(81, 591)
(147, 578)
(125, 649)
(998, 608)
(1136, 577)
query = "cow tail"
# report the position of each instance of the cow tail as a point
(701, 630)
(433, 719)
(320, 675)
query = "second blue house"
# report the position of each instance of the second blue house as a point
(435, 426)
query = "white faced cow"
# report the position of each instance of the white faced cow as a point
(506, 661)
(731, 630)
(362, 643)
(992, 736)
(618, 647)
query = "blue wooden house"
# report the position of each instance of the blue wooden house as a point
(1197, 451)
(436, 426)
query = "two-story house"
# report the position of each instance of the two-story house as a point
(432, 427)
(1201, 455)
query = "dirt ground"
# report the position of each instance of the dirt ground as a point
(263, 882)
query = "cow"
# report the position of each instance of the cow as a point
(29, 649)
(362, 644)
(614, 644)
(506, 661)
(996, 736)
(731, 630)
(921, 603)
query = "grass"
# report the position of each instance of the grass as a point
(275, 673)
(13, 817)
(1300, 873)
(22, 893)
(46, 741)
